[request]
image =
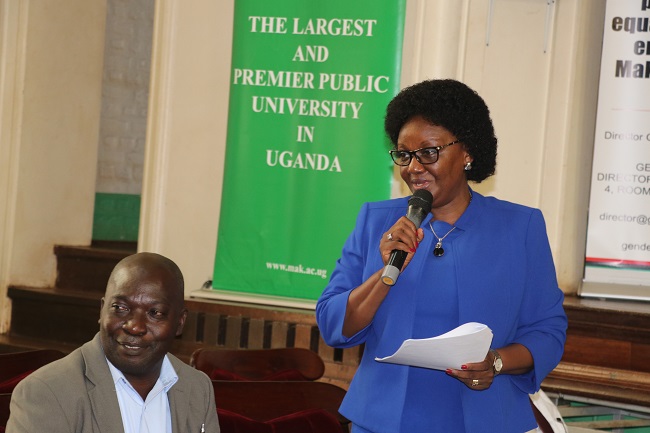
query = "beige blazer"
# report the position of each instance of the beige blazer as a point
(76, 394)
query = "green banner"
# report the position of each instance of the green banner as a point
(310, 82)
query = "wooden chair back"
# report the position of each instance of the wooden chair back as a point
(267, 400)
(5, 398)
(13, 364)
(306, 421)
(259, 364)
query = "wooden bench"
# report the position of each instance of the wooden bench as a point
(600, 383)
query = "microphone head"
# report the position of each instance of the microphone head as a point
(422, 199)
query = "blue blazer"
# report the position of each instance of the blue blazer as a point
(505, 278)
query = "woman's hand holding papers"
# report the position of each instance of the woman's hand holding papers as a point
(477, 375)
(513, 359)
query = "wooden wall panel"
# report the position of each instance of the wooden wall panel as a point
(217, 324)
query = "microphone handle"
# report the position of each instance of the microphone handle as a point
(397, 257)
(393, 267)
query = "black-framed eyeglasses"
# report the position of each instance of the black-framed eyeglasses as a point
(425, 155)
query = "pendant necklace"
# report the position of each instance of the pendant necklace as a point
(438, 251)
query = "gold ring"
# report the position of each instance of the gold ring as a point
(389, 236)
(475, 382)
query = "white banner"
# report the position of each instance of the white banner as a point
(617, 262)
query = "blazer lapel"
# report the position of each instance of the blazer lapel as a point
(101, 390)
(179, 401)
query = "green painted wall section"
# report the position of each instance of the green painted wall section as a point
(116, 217)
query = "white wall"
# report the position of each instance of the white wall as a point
(539, 76)
(185, 149)
(50, 100)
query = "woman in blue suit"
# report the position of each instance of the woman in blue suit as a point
(473, 259)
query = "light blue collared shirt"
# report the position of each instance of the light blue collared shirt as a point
(152, 415)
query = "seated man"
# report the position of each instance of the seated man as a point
(124, 380)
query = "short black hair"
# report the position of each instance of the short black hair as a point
(457, 108)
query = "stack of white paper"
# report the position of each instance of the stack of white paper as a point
(468, 343)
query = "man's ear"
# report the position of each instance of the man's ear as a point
(101, 310)
(181, 322)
